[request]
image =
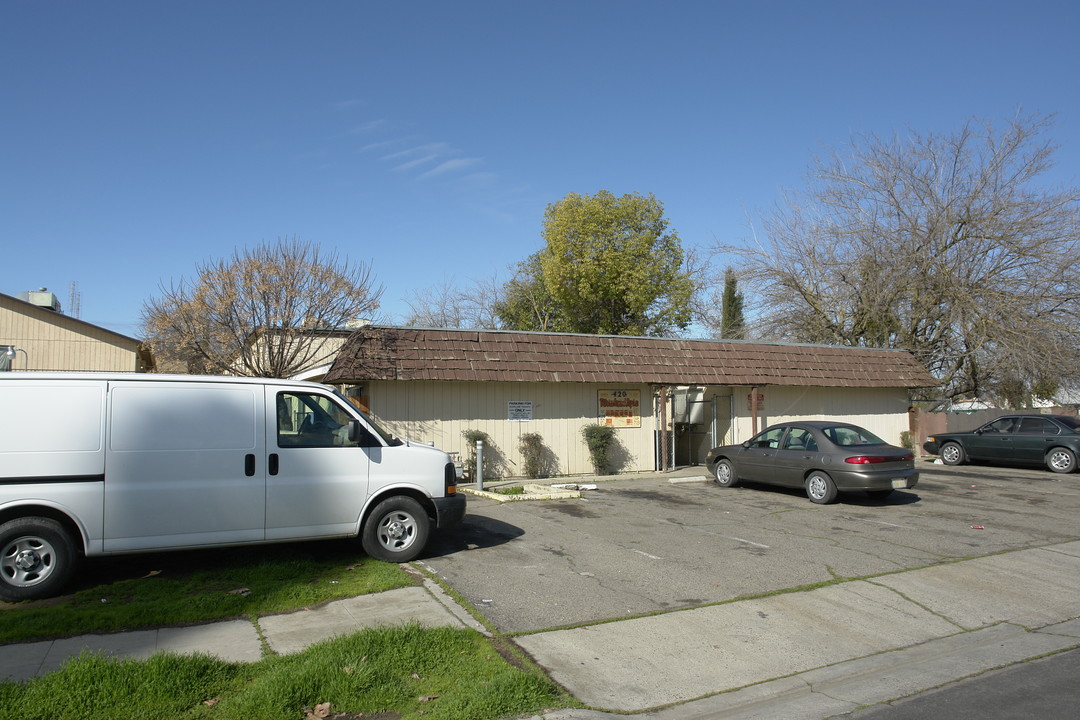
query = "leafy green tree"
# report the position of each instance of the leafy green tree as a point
(610, 265)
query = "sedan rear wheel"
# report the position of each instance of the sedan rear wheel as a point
(952, 454)
(1061, 460)
(725, 474)
(820, 488)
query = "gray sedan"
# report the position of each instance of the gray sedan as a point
(823, 457)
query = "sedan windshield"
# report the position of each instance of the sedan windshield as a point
(850, 436)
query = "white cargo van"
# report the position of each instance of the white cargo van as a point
(99, 464)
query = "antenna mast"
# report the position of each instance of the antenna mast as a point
(74, 300)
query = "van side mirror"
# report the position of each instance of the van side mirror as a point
(354, 432)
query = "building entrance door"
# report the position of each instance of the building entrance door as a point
(695, 423)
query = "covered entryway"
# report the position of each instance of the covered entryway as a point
(701, 419)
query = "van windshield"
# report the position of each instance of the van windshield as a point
(387, 437)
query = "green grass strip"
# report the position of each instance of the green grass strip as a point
(408, 672)
(171, 589)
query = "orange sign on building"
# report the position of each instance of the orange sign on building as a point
(620, 408)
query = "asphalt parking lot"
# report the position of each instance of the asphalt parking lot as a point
(640, 545)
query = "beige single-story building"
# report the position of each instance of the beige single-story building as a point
(35, 335)
(670, 400)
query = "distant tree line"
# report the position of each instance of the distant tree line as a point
(946, 245)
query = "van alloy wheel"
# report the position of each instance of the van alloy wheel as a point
(28, 560)
(396, 530)
(36, 558)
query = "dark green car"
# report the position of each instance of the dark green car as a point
(1051, 440)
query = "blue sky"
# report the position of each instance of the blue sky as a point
(427, 138)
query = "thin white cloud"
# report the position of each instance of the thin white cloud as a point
(438, 149)
(364, 128)
(449, 166)
(415, 162)
(382, 145)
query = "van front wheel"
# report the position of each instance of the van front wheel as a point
(37, 557)
(397, 530)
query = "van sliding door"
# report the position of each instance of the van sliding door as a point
(184, 465)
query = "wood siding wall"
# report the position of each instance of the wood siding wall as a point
(882, 411)
(63, 343)
(438, 412)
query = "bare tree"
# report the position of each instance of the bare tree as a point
(447, 306)
(266, 312)
(940, 244)
(439, 306)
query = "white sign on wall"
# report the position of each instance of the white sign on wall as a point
(519, 410)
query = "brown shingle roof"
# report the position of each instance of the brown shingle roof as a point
(392, 353)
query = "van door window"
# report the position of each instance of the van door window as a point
(312, 420)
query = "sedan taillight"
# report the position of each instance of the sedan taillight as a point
(871, 459)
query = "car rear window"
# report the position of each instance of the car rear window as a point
(849, 436)
(1069, 420)
(1037, 426)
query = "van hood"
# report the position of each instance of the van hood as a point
(421, 446)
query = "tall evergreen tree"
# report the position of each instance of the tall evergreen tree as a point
(732, 322)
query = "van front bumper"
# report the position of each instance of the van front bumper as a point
(449, 510)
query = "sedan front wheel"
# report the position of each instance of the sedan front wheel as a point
(952, 454)
(725, 474)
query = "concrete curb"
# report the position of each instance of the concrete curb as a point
(532, 491)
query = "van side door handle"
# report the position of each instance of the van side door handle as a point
(249, 464)
(273, 465)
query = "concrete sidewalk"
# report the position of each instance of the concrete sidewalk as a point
(238, 640)
(811, 654)
(822, 652)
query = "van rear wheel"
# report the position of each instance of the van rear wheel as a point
(37, 557)
(397, 530)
